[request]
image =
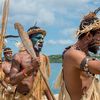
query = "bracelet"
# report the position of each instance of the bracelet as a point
(9, 88)
(24, 73)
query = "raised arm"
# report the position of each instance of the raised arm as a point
(81, 61)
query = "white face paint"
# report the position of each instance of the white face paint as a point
(37, 41)
(8, 56)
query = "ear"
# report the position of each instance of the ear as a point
(89, 36)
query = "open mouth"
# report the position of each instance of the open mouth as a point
(40, 44)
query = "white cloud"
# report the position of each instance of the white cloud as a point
(60, 16)
(46, 11)
(69, 33)
(58, 42)
(68, 30)
(46, 16)
(51, 42)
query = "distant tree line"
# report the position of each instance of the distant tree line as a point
(58, 58)
(55, 58)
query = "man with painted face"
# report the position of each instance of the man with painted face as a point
(24, 71)
(79, 68)
(37, 39)
(6, 66)
(7, 54)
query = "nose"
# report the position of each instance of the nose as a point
(41, 41)
(10, 54)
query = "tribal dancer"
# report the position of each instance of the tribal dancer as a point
(79, 68)
(5, 84)
(24, 71)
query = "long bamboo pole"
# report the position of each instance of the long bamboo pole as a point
(4, 25)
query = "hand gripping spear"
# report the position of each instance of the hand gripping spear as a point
(28, 45)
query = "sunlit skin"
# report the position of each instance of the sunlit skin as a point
(79, 81)
(8, 56)
(6, 66)
(94, 45)
(23, 61)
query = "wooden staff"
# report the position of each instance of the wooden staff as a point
(2, 33)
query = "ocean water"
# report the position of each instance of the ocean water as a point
(55, 70)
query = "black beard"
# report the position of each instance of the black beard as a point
(9, 59)
(38, 49)
(93, 49)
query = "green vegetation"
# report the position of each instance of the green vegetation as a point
(55, 58)
(96, 56)
(58, 58)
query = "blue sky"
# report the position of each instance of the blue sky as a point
(60, 19)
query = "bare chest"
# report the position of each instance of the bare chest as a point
(6, 67)
(25, 60)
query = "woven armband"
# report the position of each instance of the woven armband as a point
(84, 64)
